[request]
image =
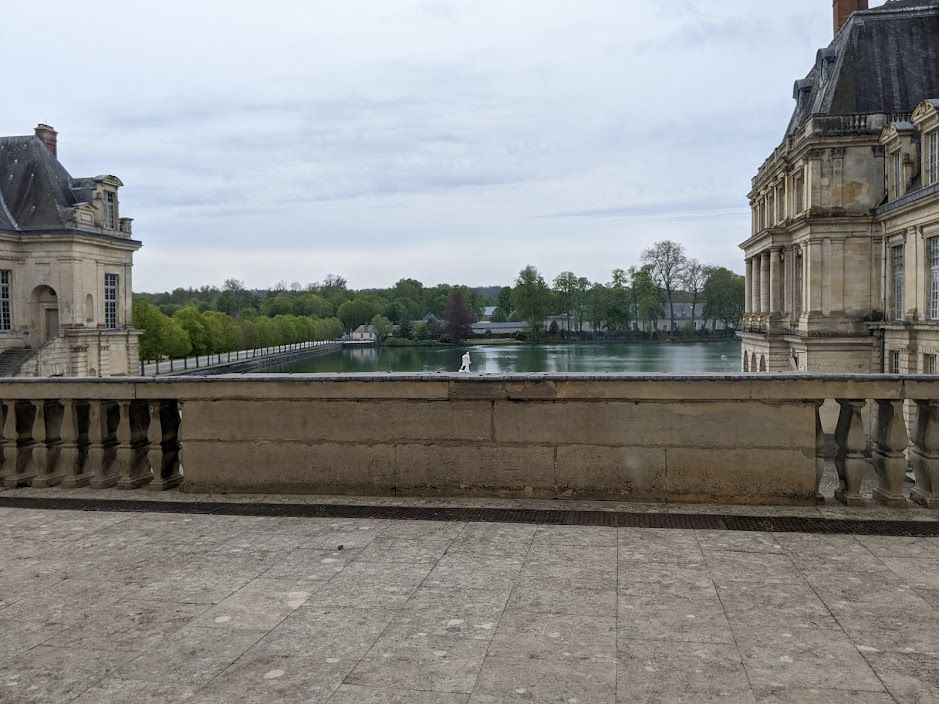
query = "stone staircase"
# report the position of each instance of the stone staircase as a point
(12, 360)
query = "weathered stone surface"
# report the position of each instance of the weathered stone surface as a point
(746, 475)
(366, 420)
(423, 612)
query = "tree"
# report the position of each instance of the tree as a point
(617, 302)
(421, 331)
(235, 298)
(314, 305)
(281, 304)
(503, 305)
(668, 262)
(579, 303)
(405, 329)
(382, 326)
(531, 298)
(565, 286)
(724, 293)
(162, 336)
(395, 312)
(595, 306)
(647, 297)
(358, 311)
(692, 280)
(457, 320)
(223, 333)
(191, 321)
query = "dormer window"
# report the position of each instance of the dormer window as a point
(110, 210)
(897, 173)
(932, 158)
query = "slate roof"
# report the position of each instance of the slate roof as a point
(884, 60)
(36, 192)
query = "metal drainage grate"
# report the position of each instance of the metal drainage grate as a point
(616, 519)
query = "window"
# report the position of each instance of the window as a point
(933, 244)
(929, 364)
(110, 210)
(932, 158)
(897, 175)
(897, 253)
(6, 311)
(895, 362)
(110, 300)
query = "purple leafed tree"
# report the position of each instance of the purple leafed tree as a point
(457, 321)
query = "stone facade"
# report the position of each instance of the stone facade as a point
(847, 203)
(65, 266)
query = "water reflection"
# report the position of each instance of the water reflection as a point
(507, 359)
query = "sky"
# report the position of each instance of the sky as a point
(449, 141)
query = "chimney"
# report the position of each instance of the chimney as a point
(49, 137)
(843, 9)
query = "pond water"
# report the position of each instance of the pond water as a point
(717, 357)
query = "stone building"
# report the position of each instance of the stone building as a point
(65, 267)
(842, 265)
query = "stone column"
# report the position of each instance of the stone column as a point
(755, 286)
(890, 463)
(775, 281)
(764, 283)
(925, 454)
(748, 283)
(813, 281)
(849, 459)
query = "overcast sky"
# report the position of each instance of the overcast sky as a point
(444, 140)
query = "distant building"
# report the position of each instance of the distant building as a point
(842, 265)
(490, 328)
(365, 333)
(65, 267)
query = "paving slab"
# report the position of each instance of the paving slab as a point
(151, 607)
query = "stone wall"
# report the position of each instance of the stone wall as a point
(730, 439)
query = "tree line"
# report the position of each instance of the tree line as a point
(210, 319)
(635, 298)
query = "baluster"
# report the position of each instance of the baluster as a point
(819, 452)
(925, 454)
(889, 462)
(40, 452)
(125, 449)
(76, 473)
(849, 459)
(164, 446)
(100, 456)
(51, 472)
(8, 440)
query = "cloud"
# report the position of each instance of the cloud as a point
(439, 140)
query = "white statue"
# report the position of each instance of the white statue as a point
(466, 362)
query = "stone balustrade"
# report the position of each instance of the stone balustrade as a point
(721, 438)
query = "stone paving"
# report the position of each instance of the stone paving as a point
(102, 607)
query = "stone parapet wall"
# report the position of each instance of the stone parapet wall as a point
(721, 438)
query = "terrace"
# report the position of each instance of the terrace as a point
(407, 594)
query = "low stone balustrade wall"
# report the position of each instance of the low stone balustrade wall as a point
(728, 439)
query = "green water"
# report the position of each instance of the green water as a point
(508, 359)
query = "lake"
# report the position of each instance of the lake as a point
(718, 357)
